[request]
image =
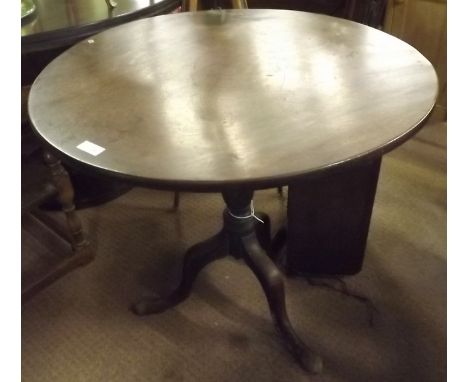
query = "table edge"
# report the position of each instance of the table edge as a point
(253, 183)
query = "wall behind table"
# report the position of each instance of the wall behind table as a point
(423, 24)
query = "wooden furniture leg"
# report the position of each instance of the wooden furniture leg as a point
(65, 196)
(272, 283)
(176, 203)
(82, 252)
(242, 236)
(196, 258)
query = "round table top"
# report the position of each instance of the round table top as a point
(57, 23)
(207, 100)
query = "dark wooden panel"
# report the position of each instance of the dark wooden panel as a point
(328, 220)
(368, 12)
(330, 7)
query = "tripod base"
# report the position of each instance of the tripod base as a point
(242, 236)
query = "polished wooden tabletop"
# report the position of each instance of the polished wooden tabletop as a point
(57, 23)
(206, 100)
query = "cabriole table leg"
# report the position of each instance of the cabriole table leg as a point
(240, 221)
(196, 258)
(272, 283)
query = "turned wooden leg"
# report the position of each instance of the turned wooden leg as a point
(176, 200)
(196, 258)
(65, 193)
(272, 283)
(82, 252)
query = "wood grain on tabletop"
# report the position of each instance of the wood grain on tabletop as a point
(207, 99)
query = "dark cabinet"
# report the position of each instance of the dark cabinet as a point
(369, 12)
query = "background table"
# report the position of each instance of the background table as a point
(231, 102)
(61, 23)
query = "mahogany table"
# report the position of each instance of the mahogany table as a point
(232, 101)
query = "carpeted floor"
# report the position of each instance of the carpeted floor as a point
(80, 328)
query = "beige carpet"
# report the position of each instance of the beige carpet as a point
(80, 328)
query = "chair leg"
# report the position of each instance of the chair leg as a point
(66, 194)
(176, 200)
(82, 252)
